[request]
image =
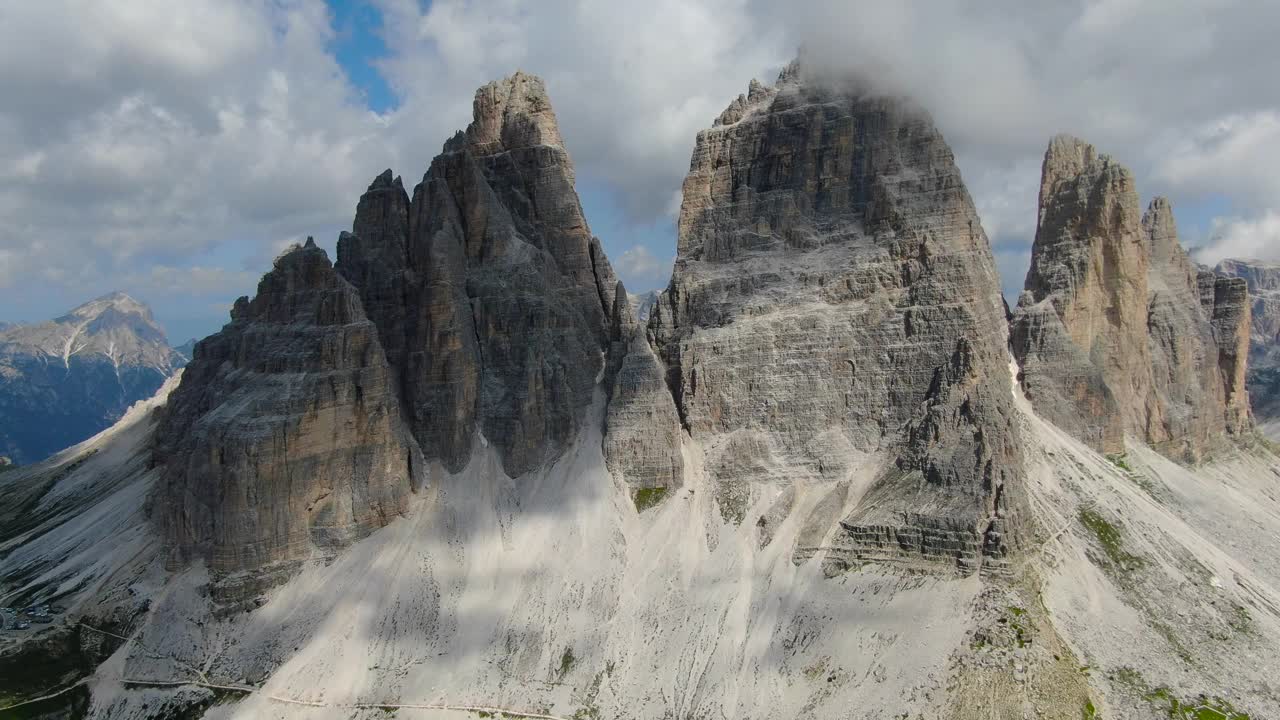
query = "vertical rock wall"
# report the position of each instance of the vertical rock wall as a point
(1110, 331)
(285, 434)
(834, 296)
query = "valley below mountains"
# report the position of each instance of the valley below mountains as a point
(459, 471)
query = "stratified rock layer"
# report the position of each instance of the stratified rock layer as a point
(1263, 281)
(285, 435)
(834, 295)
(489, 298)
(1112, 334)
(642, 429)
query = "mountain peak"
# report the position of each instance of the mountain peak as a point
(117, 302)
(513, 113)
(91, 364)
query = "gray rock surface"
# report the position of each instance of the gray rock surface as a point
(1113, 333)
(834, 295)
(489, 293)
(285, 435)
(1263, 281)
(642, 428)
(1195, 400)
(65, 380)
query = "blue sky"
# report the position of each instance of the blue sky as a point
(171, 150)
(358, 46)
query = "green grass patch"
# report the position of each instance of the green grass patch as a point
(1203, 707)
(646, 498)
(1120, 461)
(567, 661)
(1239, 620)
(1111, 539)
(1089, 712)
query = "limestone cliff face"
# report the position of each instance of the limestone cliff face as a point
(642, 428)
(1263, 281)
(489, 293)
(1112, 334)
(1189, 392)
(285, 435)
(834, 295)
(1080, 329)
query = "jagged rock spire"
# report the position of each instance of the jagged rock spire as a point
(490, 295)
(1109, 331)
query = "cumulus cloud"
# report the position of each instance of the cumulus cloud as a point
(1243, 239)
(640, 269)
(150, 133)
(631, 82)
(193, 135)
(1177, 90)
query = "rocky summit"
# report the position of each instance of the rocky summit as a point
(834, 297)
(64, 380)
(1117, 333)
(461, 471)
(489, 292)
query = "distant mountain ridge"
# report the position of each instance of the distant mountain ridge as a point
(63, 380)
(643, 304)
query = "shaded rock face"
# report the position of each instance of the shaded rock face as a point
(68, 379)
(1112, 332)
(834, 295)
(643, 436)
(490, 295)
(285, 435)
(1262, 279)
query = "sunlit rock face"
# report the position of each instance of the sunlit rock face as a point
(1114, 333)
(490, 295)
(285, 435)
(1263, 280)
(834, 297)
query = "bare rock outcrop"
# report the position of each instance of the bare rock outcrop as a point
(1112, 332)
(1080, 328)
(834, 296)
(285, 436)
(1262, 280)
(642, 429)
(490, 295)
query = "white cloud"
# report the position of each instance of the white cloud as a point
(152, 133)
(631, 82)
(1258, 238)
(1234, 154)
(641, 270)
(144, 133)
